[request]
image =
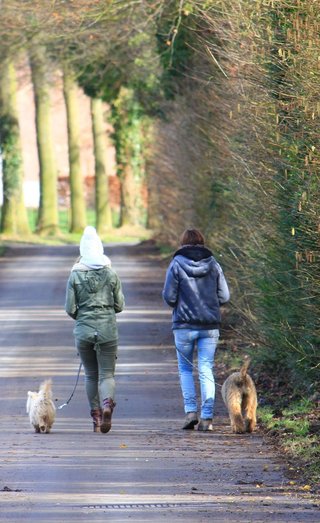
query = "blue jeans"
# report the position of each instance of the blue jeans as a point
(206, 340)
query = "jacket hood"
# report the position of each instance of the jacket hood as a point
(93, 280)
(195, 260)
(85, 265)
(194, 252)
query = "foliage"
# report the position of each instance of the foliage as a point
(174, 38)
(121, 52)
(12, 161)
(296, 430)
(289, 422)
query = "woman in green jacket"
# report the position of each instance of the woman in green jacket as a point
(93, 298)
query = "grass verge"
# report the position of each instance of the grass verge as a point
(115, 235)
(295, 430)
(125, 234)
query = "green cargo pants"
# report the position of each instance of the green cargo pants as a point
(99, 361)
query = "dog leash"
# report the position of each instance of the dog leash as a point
(74, 389)
(197, 368)
(79, 370)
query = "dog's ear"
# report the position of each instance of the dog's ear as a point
(28, 402)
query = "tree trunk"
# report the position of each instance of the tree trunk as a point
(14, 218)
(48, 211)
(129, 207)
(103, 209)
(131, 162)
(78, 206)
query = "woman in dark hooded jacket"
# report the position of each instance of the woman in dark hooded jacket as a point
(195, 287)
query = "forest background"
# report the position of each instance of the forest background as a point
(215, 113)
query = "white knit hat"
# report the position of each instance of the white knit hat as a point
(91, 249)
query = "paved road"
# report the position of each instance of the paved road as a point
(146, 468)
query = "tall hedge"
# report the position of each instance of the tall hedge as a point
(247, 159)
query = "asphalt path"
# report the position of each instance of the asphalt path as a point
(146, 468)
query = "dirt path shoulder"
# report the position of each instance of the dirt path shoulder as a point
(146, 468)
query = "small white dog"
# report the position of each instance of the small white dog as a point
(41, 409)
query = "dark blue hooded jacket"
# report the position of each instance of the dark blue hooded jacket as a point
(195, 287)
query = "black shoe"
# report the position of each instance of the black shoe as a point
(190, 421)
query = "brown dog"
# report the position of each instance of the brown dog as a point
(240, 397)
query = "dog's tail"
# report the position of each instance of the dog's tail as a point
(244, 369)
(46, 388)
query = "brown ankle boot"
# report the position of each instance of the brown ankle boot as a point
(96, 415)
(108, 406)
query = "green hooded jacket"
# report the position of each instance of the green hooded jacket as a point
(93, 298)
